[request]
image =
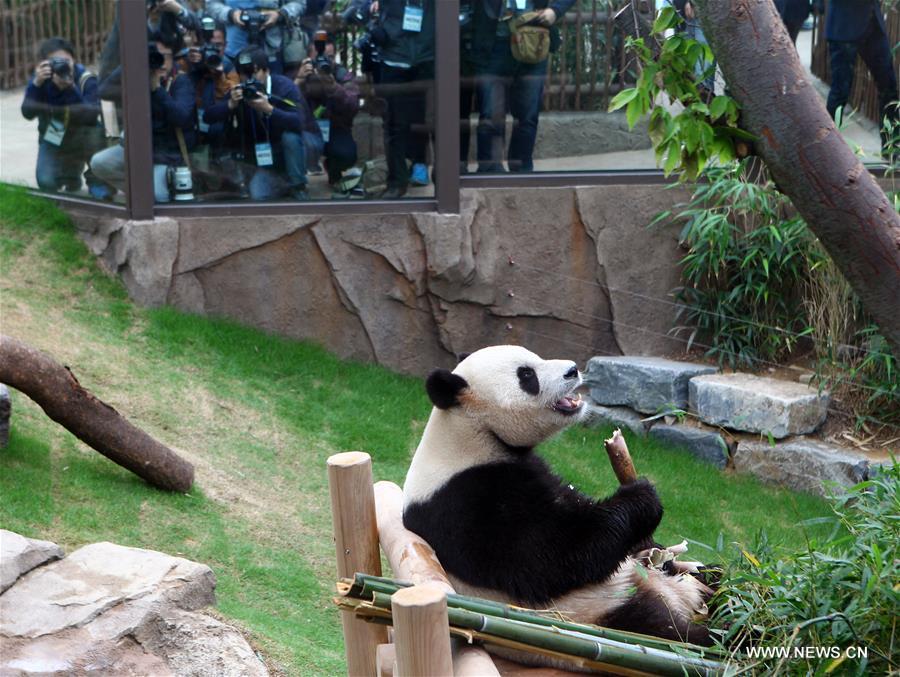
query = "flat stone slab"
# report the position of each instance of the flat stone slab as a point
(647, 384)
(803, 464)
(758, 404)
(618, 417)
(19, 555)
(707, 445)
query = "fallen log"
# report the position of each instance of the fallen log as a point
(620, 458)
(57, 391)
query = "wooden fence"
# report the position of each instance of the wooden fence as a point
(24, 24)
(864, 95)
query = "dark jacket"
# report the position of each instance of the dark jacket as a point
(46, 101)
(341, 104)
(847, 20)
(170, 109)
(486, 15)
(399, 46)
(793, 11)
(253, 127)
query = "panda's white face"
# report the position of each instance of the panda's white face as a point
(520, 397)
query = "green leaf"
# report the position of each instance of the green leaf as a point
(667, 18)
(718, 107)
(633, 112)
(622, 98)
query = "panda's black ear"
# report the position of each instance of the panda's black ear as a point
(461, 356)
(444, 387)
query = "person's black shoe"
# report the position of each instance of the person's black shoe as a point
(300, 194)
(393, 193)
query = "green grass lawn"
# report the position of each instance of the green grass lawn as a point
(258, 415)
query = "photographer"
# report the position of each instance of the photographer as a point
(265, 117)
(62, 95)
(213, 77)
(172, 113)
(331, 92)
(404, 35)
(269, 24)
(506, 84)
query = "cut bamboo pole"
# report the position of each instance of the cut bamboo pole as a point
(620, 458)
(356, 549)
(421, 632)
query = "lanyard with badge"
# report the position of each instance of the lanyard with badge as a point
(413, 14)
(56, 129)
(324, 123)
(263, 150)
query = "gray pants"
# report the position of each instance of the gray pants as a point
(109, 165)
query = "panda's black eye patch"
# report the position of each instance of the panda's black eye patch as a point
(528, 380)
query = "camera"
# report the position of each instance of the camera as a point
(253, 21)
(252, 88)
(156, 58)
(211, 55)
(356, 14)
(321, 63)
(61, 67)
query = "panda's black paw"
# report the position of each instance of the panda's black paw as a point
(643, 505)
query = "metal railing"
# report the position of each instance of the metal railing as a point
(24, 24)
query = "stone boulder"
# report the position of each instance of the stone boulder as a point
(802, 464)
(647, 384)
(707, 445)
(617, 417)
(758, 404)
(109, 609)
(19, 555)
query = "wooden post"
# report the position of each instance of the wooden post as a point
(356, 548)
(421, 632)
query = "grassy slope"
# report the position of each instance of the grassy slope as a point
(258, 416)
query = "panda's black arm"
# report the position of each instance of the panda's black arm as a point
(515, 527)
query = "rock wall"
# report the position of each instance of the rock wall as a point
(568, 272)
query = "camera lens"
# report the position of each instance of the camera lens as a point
(157, 60)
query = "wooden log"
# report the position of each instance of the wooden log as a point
(385, 660)
(413, 560)
(57, 391)
(356, 549)
(620, 458)
(421, 632)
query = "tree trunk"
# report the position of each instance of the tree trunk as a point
(91, 420)
(812, 164)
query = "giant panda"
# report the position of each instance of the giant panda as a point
(505, 527)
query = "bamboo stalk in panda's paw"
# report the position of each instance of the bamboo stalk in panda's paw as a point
(620, 458)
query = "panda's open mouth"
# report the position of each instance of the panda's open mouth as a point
(568, 405)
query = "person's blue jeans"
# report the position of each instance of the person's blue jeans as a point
(58, 167)
(504, 84)
(313, 146)
(286, 174)
(875, 50)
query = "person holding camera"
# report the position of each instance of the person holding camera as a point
(509, 81)
(269, 24)
(404, 35)
(62, 95)
(332, 94)
(172, 115)
(265, 116)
